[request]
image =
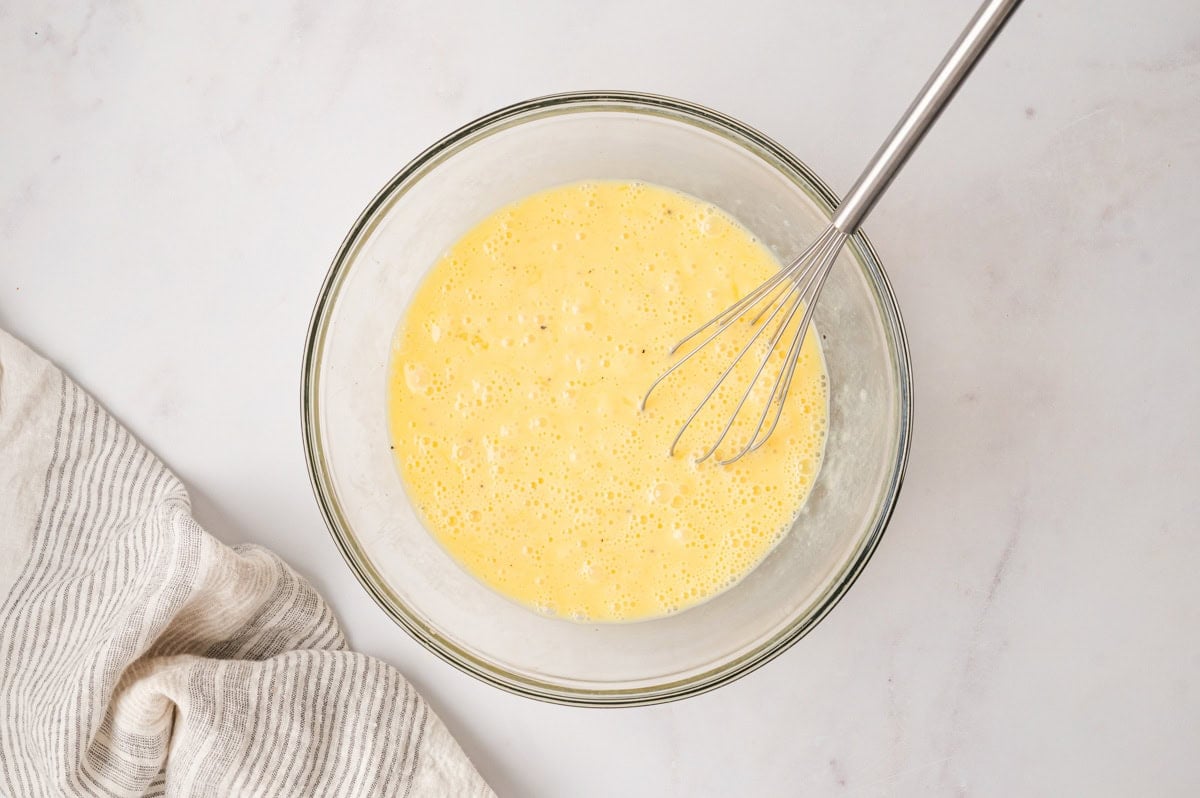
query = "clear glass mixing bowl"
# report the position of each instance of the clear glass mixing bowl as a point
(440, 195)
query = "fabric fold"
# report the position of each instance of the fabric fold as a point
(141, 656)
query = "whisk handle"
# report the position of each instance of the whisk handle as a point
(923, 112)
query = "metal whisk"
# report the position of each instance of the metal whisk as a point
(796, 288)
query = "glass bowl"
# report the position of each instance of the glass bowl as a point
(440, 195)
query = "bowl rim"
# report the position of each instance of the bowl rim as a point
(628, 101)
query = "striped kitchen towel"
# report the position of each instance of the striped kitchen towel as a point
(140, 656)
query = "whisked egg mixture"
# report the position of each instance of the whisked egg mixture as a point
(513, 399)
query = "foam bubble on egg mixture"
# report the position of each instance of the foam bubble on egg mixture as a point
(513, 405)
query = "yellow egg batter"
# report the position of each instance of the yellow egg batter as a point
(513, 405)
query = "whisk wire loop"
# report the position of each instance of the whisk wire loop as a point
(790, 291)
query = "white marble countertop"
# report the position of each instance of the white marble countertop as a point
(175, 178)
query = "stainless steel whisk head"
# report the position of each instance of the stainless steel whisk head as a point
(793, 289)
(796, 287)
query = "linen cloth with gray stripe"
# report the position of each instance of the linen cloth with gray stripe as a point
(141, 656)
